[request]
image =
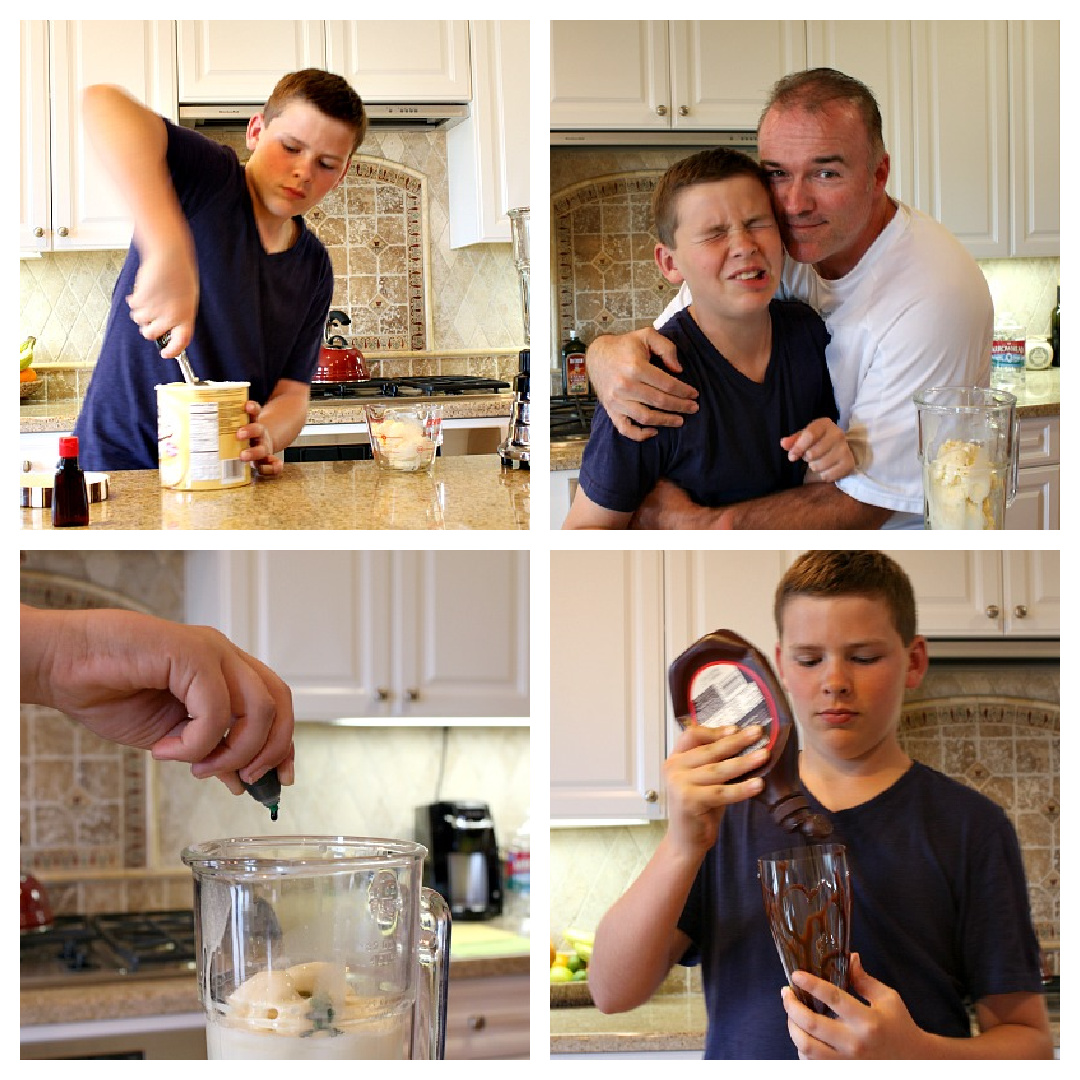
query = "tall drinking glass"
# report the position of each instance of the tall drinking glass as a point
(807, 894)
(319, 947)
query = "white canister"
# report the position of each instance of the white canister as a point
(1038, 354)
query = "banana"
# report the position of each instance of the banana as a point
(26, 352)
(582, 943)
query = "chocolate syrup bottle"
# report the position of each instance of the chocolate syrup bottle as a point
(722, 679)
(70, 505)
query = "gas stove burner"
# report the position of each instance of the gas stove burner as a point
(410, 386)
(571, 417)
(450, 384)
(110, 946)
(370, 388)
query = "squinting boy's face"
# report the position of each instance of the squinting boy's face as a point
(296, 158)
(727, 247)
(845, 668)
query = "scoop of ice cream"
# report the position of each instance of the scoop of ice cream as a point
(403, 442)
(297, 1000)
(962, 485)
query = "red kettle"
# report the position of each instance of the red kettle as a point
(338, 363)
(35, 911)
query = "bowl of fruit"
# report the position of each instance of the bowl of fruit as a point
(569, 971)
(29, 383)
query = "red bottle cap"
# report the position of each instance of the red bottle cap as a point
(69, 446)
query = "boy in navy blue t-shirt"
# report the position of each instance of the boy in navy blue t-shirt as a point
(221, 259)
(766, 408)
(941, 921)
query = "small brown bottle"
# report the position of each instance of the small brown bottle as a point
(723, 680)
(70, 505)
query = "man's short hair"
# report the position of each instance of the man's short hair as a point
(330, 94)
(704, 167)
(869, 574)
(816, 87)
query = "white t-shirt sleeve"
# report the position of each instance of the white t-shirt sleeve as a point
(681, 300)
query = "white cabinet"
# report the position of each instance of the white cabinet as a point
(1035, 138)
(607, 684)
(878, 53)
(487, 154)
(224, 62)
(68, 201)
(961, 115)
(1038, 489)
(488, 1018)
(986, 116)
(985, 594)
(374, 635)
(221, 61)
(402, 60)
(668, 75)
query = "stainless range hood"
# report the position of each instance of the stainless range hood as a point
(736, 140)
(411, 117)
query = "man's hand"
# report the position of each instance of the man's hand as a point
(185, 693)
(166, 293)
(636, 395)
(261, 451)
(824, 448)
(880, 1029)
(667, 506)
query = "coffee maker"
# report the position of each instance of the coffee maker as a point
(463, 857)
(514, 449)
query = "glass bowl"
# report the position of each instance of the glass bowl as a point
(405, 438)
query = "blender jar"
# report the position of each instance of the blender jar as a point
(319, 947)
(968, 445)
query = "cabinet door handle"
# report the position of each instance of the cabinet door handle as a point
(62, 230)
(39, 232)
(651, 795)
(1020, 611)
(683, 110)
(414, 695)
(993, 611)
(661, 110)
(382, 694)
(477, 1023)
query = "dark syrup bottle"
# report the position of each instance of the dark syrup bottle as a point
(70, 505)
(722, 679)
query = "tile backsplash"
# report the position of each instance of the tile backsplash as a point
(103, 826)
(409, 295)
(965, 721)
(606, 281)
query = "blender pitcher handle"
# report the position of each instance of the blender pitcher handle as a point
(1014, 460)
(429, 1034)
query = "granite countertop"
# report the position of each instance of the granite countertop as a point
(179, 994)
(1041, 397)
(461, 492)
(61, 416)
(667, 1022)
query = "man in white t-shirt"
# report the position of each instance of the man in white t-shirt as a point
(906, 307)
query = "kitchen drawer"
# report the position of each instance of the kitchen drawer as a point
(488, 1018)
(1040, 441)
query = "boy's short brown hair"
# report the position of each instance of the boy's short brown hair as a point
(330, 94)
(850, 573)
(704, 167)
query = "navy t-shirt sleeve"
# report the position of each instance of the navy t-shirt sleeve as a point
(616, 472)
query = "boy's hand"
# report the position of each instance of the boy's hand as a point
(700, 776)
(261, 450)
(166, 295)
(882, 1028)
(824, 448)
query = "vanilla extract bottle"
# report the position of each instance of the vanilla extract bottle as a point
(70, 502)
